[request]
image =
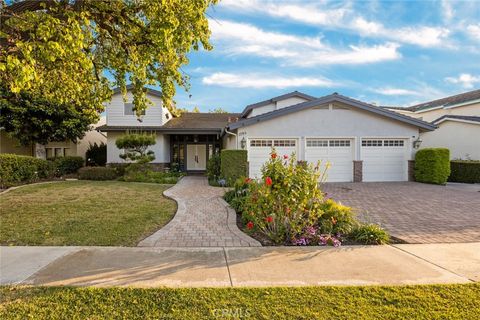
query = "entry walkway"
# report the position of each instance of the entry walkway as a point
(203, 219)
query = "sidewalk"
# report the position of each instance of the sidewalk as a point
(238, 267)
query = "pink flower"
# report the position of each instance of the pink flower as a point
(268, 181)
(285, 157)
(269, 219)
(274, 155)
(250, 225)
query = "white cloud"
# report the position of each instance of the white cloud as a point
(447, 10)
(343, 18)
(241, 38)
(389, 91)
(465, 79)
(474, 31)
(264, 81)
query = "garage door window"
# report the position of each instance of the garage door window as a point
(339, 143)
(274, 143)
(383, 143)
(317, 143)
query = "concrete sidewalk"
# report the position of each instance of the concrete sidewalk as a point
(238, 267)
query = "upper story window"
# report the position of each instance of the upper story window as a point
(128, 110)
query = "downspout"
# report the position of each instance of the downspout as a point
(233, 134)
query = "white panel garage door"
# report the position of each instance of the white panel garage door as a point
(260, 149)
(384, 159)
(338, 152)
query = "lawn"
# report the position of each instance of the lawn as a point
(407, 302)
(103, 213)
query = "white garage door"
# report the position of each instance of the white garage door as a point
(384, 159)
(260, 149)
(338, 152)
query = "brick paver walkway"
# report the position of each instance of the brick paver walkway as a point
(203, 219)
(414, 212)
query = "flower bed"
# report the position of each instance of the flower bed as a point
(287, 207)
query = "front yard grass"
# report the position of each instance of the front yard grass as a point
(83, 213)
(369, 302)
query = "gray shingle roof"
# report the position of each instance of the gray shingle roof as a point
(450, 116)
(447, 101)
(335, 97)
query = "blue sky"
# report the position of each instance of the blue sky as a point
(384, 52)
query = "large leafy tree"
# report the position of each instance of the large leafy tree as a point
(62, 51)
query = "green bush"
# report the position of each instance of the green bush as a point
(369, 234)
(142, 172)
(97, 173)
(213, 168)
(67, 165)
(96, 154)
(432, 165)
(119, 168)
(15, 169)
(466, 171)
(233, 165)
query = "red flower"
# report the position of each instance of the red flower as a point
(285, 157)
(268, 181)
(274, 155)
(334, 221)
(250, 225)
(247, 180)
(269, 219)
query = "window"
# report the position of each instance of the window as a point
(339, 143)
(260, 143)
(128, 109)
(393, 143)
(56, 152)
(372, 143)
(317, 143)
(284, 143)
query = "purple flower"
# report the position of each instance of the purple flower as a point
(300, 242)
(311, 230)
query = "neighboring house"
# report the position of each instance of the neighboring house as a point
(458, 120)
(361, 141)
(54, 149)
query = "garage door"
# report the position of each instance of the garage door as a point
(338, 152)
(384, 159)
(260, 149)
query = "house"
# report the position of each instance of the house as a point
(458, 120)
(9, 144)
(361, 141)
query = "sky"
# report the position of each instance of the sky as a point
(394, 53)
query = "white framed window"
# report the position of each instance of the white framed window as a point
(273, 143)
(372, 143)
(339, 143)
(260, 143)
(284, 143)
(128, 109)
(318, 143)
(393, 143)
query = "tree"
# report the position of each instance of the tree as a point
(218, 110)
(62, 50)
(32, 119)
(136, 146)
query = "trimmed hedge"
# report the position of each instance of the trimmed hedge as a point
(233, 165)
(67, 165)
(467, 171)
(432, 165)
(97, 173)
(15, 169)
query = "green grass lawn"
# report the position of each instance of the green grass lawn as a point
(370, 302)
(104, 213)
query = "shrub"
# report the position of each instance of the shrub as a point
(119, 168)
(369, 234)
(96, 154)
(466, 171)
(15, 169)
(67, 165)
(213, 168)
(140, 172)
(233, 165)
(432, 165)
(136, 146)
(97, 173)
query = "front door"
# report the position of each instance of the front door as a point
(196, 157)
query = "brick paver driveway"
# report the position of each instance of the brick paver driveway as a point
(202, 219)
(415, 212)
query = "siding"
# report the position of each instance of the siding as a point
(161, 148)
(155, 115)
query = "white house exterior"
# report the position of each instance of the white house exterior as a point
(458, 124)
(362, 142)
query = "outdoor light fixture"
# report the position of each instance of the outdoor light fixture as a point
(243, 143)
(417, 143)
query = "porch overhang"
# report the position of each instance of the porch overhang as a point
(162, 129)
